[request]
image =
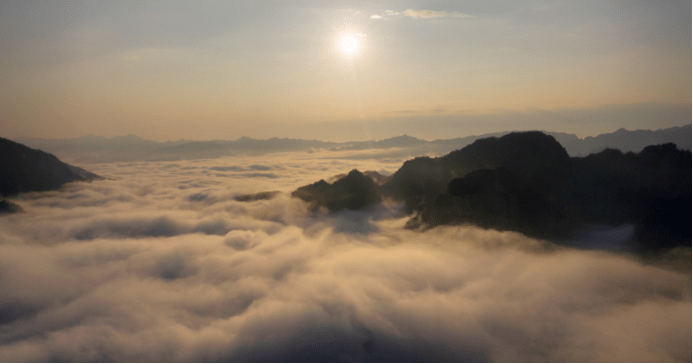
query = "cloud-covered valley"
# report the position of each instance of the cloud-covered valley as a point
(164, 261)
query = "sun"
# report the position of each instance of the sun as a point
(348, 44)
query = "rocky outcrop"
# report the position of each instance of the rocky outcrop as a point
(7, 207)
(268, 195)
(353, 192)
(378, 178)
(23, 169)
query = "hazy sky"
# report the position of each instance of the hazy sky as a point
(341, 70)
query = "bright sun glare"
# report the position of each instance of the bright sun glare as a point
(348, 44)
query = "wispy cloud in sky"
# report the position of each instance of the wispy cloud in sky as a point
(425, 14)
(428, 14)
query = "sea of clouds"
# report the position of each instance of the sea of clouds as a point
(160, 262)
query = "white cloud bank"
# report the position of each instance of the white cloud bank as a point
(161, 263)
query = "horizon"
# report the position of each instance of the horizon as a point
(348, 141)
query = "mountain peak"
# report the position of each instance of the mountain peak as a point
(404, 137)
(129, 137)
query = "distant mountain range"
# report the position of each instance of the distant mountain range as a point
(129, 148)
(527, 182)
(23, 169)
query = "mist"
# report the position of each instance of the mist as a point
(191, 261)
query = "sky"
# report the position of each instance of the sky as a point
(341, 70)
(160, 262)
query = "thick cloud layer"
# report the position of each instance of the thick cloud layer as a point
(162, 262)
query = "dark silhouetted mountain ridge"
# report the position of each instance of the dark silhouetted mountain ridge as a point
(23, 169)
(527, 182)
(353, 192)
